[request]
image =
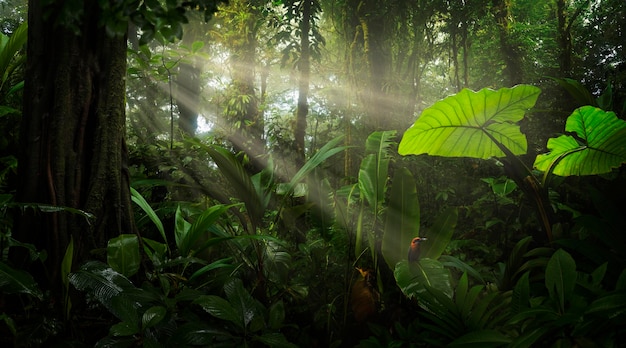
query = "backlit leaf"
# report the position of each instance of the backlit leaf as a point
(470, 123)
(599, 144)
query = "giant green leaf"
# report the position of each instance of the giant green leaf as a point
(472, 124)
(403, 218)
(598, 146)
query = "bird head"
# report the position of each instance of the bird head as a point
(414, 249)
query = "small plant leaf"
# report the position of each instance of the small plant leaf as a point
(276, 315)
(153, 316)
(102, 281)
(596, 146)
(123, 254)
(220, 308)
(561, 277)
(14, 281)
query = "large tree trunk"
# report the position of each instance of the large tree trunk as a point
(73, 136)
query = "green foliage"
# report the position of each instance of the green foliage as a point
(155, 18)
(123, 254)
(414, 279)
(402, 219)
(472, 124)
(13, 281)
(597, 145)
(567, 312)
(248, 319)
(9, 59)
(372, 186)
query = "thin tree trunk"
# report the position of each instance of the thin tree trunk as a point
(304, 66)
(188, 97)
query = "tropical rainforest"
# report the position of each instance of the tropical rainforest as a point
(312, 173)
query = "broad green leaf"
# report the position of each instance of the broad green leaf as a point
(403, 218)
(152, 316)
(598, 147)
(440, 233)
(501, 186)
(411, 278)
(125, 309)
(245, 305)
(14, 281)
(101, 281)
(155, 250)
(123, 329)
(123, 254)
(197, 46)
(472, 124)
(276, 315)
(561, 277)
(220, 308)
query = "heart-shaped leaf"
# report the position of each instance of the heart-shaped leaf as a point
(599, 144)
(472, 124)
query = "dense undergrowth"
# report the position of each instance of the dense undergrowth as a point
(516, 258)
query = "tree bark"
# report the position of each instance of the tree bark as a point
(304, 67)
(73, 151)
(188, 97)
(513, 72)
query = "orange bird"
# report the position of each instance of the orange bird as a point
(414, 249)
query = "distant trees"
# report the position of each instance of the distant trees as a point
(73, 148)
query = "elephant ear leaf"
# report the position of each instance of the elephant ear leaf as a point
(472, 124)
(594, 143)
